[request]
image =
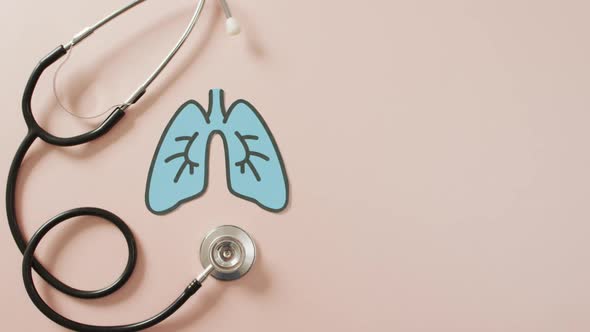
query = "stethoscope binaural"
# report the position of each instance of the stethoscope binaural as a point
(227, 252)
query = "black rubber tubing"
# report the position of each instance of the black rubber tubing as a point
(28, 248)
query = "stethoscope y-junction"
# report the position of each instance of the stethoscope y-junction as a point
(227, 253)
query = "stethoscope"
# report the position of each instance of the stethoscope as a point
(227, 252)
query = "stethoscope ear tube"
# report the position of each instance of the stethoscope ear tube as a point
(34, 126)
(28, 249)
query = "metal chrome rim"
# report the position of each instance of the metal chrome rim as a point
(231, 252)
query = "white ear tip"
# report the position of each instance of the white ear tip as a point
(232, 27)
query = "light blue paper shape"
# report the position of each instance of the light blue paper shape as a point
(254, 166)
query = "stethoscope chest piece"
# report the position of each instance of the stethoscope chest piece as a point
(230, 251)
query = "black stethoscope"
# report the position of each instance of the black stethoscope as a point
(227, 252)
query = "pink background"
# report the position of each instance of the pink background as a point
(437, 152)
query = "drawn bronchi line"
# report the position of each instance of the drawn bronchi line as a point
(254, 166)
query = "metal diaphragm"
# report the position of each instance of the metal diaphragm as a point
(231, 252)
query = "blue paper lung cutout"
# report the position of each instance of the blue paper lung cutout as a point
(254, 166)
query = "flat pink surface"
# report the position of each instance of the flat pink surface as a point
(437, 152)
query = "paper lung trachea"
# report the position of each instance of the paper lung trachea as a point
(254, 166)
